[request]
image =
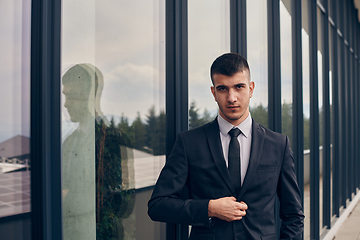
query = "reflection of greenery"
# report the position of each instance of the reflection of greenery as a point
(112, 202)
(148, 136)
(260, 115)
(194, 119)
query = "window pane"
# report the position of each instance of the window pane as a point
(15, 117)
(331, 71)
(306, 110)
(257, 56)
(286, 68)
(209, 37)
(113, 59)
(320, 53)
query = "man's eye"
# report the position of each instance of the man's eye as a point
(221, 89)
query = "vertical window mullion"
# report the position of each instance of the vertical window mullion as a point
(298, 119)
(314, 124)
(238, 27)
(335, 98)
(326, 123)
(176, 86)
(274, 76)
(46, 120)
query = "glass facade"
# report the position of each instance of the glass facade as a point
(306, 107)
(115, 113)
(286, 68)
(113, 122)
(257, 57)
(15, 161)
(321, 76)
(209, 37)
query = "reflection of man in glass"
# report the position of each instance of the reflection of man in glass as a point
(92, 159)
(233, 169)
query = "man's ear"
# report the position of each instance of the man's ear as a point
(213, 92)
(251, 87)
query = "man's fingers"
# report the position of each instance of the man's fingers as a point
(244, 205)
(233, 198)
(241, 206)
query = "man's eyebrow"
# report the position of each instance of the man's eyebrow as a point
(220, 86)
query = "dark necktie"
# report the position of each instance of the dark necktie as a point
(234, 158)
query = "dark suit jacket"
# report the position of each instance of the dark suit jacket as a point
(197, 162)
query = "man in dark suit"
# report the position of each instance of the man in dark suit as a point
(231, 180)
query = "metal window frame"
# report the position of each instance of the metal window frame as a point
(45, 145)
(314, 123)
(342, 124)
(274, 66)
(326, 134)
(176, 86)
(348, 102)
(238, 37)
(297, 84)
(335, 118)
(274, 81)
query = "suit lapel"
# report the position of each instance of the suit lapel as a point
(257, 141)
(213, 137)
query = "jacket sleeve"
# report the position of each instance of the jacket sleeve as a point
(166, 203)
(291, 211)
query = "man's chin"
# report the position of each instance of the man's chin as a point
(233, 118)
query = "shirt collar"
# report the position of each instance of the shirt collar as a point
(245, 126)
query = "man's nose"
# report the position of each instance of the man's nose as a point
(231, 96)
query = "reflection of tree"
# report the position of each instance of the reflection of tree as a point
(286, 112)
(260, 115)
(155, 127)
(306, 133)
(114, 201)
(139, 133)
(194, 119)
(149, 135)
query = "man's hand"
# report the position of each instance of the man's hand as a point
(227, 209)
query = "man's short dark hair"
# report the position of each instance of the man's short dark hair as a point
(229, 64)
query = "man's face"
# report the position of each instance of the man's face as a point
(232, 95)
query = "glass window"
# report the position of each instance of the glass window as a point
(286, 67)
(15, 161)
(257, 56)
(331, 76)
(113, 84)
(306, 110)
(209, 37)
(321, 109)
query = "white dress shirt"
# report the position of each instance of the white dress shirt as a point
(244, 140)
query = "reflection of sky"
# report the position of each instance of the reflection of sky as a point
(257, 51)
(209, 37)
(286, 54)
(14, 68)
(126, 41)
(306, 72)
(320, 78)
